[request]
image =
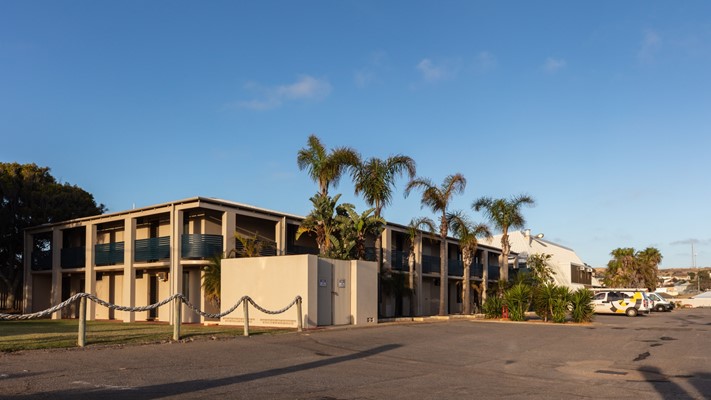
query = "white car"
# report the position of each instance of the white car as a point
(659, 303)
(621, 301)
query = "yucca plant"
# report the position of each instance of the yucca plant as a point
(561, 304)
(518, 299)
(581, 305)
(543, 299)
(211, 279)
(493, 307)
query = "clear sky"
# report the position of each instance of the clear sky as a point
(599, 110)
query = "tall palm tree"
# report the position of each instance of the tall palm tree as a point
(649, 260)
(326, 168)
(468, 233)
(375, 180)
(437, 198)
(413, 231)
(620, 269)
(355, 227)
(504, 214)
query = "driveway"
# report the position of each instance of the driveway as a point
(660, 356)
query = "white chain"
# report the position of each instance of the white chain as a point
(69, 301)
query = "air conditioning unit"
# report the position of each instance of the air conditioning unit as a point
(581, 268)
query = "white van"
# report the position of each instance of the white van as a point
(621, 301)
(659, 303)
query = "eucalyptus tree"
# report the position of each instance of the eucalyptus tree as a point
(326, 168)
(504, 214)
(468, 233)
(374, 179)
(438, 199)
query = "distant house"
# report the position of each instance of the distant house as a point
(569, 269)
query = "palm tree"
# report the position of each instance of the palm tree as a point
(413, 231)
(211, 279)
(467, 232)
(354, 227)
(437, 198)
(648, 260)
(620, 269)
(326, 168)
(321, 221)
(504, 214)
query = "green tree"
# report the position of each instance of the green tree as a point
(321, 221)
(468, 233)
(353, 228)
(31, 196)
(211, 279)
(326, 168)
(252, 245)
(541, 271)
(504, 214)
(630, 268)
(375, 180)
(438, 198)
(518, 299)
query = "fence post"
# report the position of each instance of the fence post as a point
(176, 318)
(81, 339)
(299, 320)
(245, 307)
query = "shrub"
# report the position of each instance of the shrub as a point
(518, 299)
(581, 305)
(543, 299)
(492, 307)
(561, 304)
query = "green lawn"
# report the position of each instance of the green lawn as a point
(54, 334)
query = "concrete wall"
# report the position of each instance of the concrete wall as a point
(274, 282)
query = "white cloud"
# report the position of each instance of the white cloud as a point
(553, 65)
(434, 73)
(651, 44)
(306, 88)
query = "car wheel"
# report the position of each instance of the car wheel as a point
(660, 308)
(631, 312)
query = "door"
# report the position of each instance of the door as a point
(341, 293)
(325, 287)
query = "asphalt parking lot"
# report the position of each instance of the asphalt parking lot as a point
(661, 356)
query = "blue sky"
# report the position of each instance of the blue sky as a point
(601, 111)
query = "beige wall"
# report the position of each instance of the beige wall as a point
(274, 282)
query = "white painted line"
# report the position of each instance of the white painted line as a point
(102, 386)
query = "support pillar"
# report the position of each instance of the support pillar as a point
(484, 275)
(89, 274)
(129, 273)
(56, 247)
(27, 270)
(280, 237)
(418, 275)
(176, 268)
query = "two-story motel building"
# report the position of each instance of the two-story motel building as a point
(141, 256)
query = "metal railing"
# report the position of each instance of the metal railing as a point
(178, 301)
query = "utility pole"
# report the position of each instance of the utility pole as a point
(693, 265)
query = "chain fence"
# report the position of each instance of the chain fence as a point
(179, 299)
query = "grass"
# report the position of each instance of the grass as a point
(59, 334)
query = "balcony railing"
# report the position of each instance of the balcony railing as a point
(152, 249)
(494, 273)
(295, 249)
(455, 267)
(430, 264)
(73, 257)
(199, 246)
(109, 253)
(41, 260)
(399, 260)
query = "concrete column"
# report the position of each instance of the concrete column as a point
(89, 274)
(280, 236)
(484, 274)
(176, 268)
(386, 242)
(129, 273)
(229, 226)
(27, 285)
(420, 298)
(56, 270)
